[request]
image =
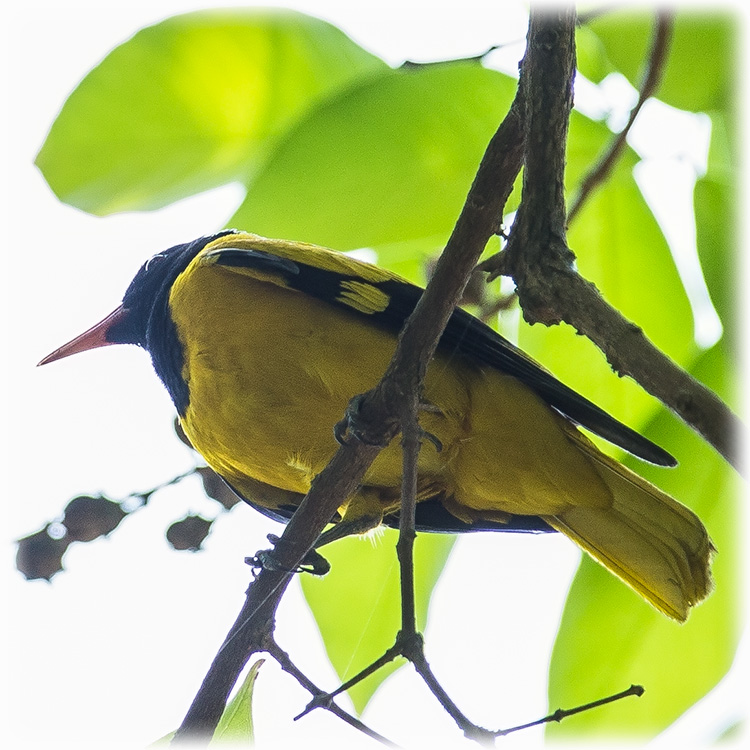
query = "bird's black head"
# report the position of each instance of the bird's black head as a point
(146, 299)
(147, 321)
(143, 318)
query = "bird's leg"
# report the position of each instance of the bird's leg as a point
(363, 513)
(313, 562)
(347, 527)
(355, 426)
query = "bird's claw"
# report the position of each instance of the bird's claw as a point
(265, 559)
(351, 427)
(433, 439)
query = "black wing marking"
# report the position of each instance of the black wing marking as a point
(431, 517)
(465, 335)
(473, 338)
(257, 259)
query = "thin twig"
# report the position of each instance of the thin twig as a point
(167, 483)
(392, 653)
(285, 662)
(471, 731)
(410, 641)
(651, 80)
(410, 446)
(411, 647)
(563, 713)
(410, 64)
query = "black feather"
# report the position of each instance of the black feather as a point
(465, 335)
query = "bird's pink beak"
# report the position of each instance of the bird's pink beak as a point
(91, 339)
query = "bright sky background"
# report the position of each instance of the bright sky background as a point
(112, 652)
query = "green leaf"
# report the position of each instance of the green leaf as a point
(236, 723)
(621, 249)
(609, 638)
(357, 606)
(591, 54)
(700, 69)
(389, 161)
(191, 103)
(412, 258)
(716, 218)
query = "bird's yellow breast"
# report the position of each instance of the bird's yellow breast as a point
(271, 370)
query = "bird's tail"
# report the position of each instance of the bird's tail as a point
(653, 543)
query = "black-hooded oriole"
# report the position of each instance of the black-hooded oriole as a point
(262, 343)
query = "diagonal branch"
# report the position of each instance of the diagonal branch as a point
(563, 713)
(256, 618)
(377, 418)
(651, 80)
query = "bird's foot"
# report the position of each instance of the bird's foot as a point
(265, 559)
(355, 426)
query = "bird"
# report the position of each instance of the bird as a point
(262, 343)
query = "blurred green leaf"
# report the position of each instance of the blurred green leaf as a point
(716, 224)
(357, 606)
(621, 249)
(389, 161)
(699, 75)
(193, 102)
(236, 723)
(411, 259)
(591, 54)
(609, 638)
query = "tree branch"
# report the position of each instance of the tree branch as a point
(563, 713)
(291, 668)
(541, 264)
(651, 80)
(550, 291)
(377, 421)
(410, 444)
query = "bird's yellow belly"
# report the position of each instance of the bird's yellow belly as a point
(268, 385)
(267, 389)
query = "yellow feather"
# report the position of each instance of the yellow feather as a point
(656, 545)
(271, 378)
